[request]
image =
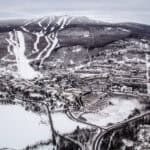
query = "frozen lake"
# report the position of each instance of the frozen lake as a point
(19, 128)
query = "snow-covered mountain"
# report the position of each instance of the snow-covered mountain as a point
(61, 40)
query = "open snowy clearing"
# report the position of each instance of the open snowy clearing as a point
(120, 109)
(64, 125)
(20, 128)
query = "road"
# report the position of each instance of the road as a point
(101, 130)
(54, 133)
(97, 142)
(70, 116)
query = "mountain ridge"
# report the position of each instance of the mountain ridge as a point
(45, 37)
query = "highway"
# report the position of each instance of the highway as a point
(97, 142)
(101, 130)
(70, 116)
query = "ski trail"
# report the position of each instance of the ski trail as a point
(38, 36)
(51, 39)
(62, 22)
(69, 20)
(54, 44)
(24, 69)
(41, 34)
(45, 49)
(51, 44)
(24, 29)
(40, 21)
(10, 43)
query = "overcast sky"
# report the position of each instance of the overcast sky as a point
(105, 10)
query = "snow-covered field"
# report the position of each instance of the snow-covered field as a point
(45, 147)
(19, 128)
(64, 125)
(120, 109)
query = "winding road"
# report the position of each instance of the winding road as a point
(101, 130)
(97, 142)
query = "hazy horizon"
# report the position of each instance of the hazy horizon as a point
(104, 10)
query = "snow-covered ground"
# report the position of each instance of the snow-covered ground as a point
(45, 147)
(19, 128)
(19, 47)
(86, 75)
(63, 124)
(120, 109)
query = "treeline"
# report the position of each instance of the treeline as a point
(113, 138)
